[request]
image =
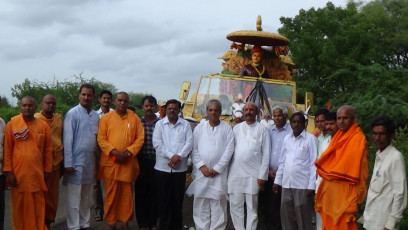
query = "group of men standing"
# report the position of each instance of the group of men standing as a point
(229, 165)
(36, 144)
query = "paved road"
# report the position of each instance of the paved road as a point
(60, 223)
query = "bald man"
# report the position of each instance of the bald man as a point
(343, 168)
(54, 121)
(27, 162)
(120, 136)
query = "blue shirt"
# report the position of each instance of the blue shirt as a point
(276, 144)
(79, 137)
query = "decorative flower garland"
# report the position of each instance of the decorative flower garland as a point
(260, 73)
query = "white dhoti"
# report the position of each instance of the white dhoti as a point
(78, 205)
(209, 213)
(237, 201)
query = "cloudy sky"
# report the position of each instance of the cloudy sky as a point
(139, 46)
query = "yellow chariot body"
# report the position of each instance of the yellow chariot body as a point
(230, 88)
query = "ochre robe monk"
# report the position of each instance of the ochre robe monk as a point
(54, 121)
(27, 160)
(344, 171)
(120, 136)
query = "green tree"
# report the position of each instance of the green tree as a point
(354, 55)
(66, 92)
(135, 100)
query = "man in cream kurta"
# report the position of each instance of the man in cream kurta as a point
(387, 194)
(212, 151)
(249, 168)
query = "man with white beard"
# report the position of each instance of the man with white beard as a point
(249, 168)
(212, 151)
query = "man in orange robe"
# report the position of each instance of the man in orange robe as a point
(27, 161)
(344, 171)
(54, 121)
(120, 136)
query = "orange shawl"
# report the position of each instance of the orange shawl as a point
(344, 169)
(20, 129)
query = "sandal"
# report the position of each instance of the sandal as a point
(98, 215)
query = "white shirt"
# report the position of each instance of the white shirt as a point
(168, 140)
(213, 147)
(296, 163)
(101, 113)
(387, 194)
(2, 128)
(322, 144)
(276, 144)
(251, 158)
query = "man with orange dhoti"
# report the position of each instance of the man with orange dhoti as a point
(54, 121)
(27, 162)
(120, 136)
(343, 167)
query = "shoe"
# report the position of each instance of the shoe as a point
(98, 215)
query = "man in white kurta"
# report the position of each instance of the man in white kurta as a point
(249, 168)
(212, 152)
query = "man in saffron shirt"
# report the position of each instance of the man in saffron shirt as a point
(54, 121)
(120, 137)
(27, 161)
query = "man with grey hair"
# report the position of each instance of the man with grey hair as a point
(248, 169)
(212, 152)
(276, 132)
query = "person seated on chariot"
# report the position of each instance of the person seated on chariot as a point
(255, 68)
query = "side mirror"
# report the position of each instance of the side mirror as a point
(185, 89)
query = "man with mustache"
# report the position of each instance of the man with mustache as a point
(173, 141)
(327, 123)
(343, 167)
(248, 169)
(297, 176)
(146, 184)
(105, 99)
(80, 148)
(387, 194)
(277, 133)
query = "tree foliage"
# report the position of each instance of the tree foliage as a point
(353, 55)
(356, 55)
(66, 93)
